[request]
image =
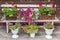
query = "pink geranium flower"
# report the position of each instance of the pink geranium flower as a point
(40, 3)
(28, 11)
(53, 4)
(28, 19)
(22, 12)
(12, 3)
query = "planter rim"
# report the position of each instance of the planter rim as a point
(49, 29)
(33, 31)
(15, 29)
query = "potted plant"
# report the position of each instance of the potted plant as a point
(49, 28)
(32, 29)
(34, 14)
(14, 29)
(10, 12)
(23, 13)
(46, 13)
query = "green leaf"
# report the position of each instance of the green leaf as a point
(9, 11)
(34, 14)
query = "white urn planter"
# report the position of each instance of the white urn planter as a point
(49, 33)
(32, 34)
(15, 32)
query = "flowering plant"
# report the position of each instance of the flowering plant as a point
(22, 13)
(31, 26)
(46, 10)
(28, 13)
(25, 13)
(9, 11)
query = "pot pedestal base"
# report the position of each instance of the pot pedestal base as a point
(48, 36)
(15, 36)
(32, 35)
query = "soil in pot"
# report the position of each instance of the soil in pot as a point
(12, 17)
(46, 17)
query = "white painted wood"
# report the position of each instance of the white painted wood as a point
(7, 27)
(26, 5)
(35, 20)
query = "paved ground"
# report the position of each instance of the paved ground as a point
(24, 36)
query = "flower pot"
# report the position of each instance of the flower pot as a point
(15, 32)
(31, 32)
(49, 33)
(14, 17)
(46, 17)
(32, 35)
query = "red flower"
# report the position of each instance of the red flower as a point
(53, 4)
(15, 6)
(12, 3)
(28, 11)
(40, 3)
(27, 18)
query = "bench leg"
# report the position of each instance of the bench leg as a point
(7, 27)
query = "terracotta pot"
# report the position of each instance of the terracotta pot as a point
(46, 17)
(11, 18)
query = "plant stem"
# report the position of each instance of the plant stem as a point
(29, 23)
